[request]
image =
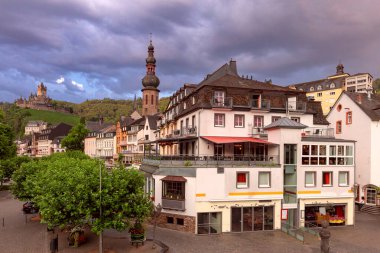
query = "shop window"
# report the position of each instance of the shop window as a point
(242, 179)
(264, 179)
(238, 120)
(209, 223)
(343, 178)
(327, 179)
(219, 120)
(348, 118)
(310, 179)
(170, 220)
(180, 221)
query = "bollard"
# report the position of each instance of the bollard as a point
(54, 244)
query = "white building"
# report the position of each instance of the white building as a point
(356, 116)
(45, 145)
(105, 142)
(361, 82)
(35, 127)
(225, 146)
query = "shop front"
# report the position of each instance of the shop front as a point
(334, 214)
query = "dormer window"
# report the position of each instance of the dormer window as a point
(332, 85)
(219, 97)
(311, 88)
(319, 87)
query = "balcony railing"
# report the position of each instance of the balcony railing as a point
(221, 102)
(213, 160)
(258, 131)
(260, 104)
(318, 132)
(173, 204)
(185, 131)
(296, 106)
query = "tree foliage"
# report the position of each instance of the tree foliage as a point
(75, 139)
(7, 146)
(66, 188)
(376, 85)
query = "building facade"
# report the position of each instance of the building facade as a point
(45, 140)
(35, 127)
(222, 158)
(356, 116)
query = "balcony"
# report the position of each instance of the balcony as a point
(213, 160)
(221, 102)
(296, 106)
(260, 104)
(184, 132)
(259, 131)
(317, 132)
(173, 204)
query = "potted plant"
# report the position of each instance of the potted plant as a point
(137, 232)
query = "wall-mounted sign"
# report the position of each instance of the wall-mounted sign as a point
(284, 214)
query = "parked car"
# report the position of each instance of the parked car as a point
(29, 207)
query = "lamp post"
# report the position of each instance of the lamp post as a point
(100, 209)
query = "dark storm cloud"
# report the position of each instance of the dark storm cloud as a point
(102, 44)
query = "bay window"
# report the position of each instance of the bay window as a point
(173, 190)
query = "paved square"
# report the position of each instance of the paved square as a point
(17, 236)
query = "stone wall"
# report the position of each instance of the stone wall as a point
(188, 222)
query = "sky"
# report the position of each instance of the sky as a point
(82, 49)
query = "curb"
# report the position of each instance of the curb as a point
(164, 247)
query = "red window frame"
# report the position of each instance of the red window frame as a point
(349, 118)
(338, 127)
(242, 179)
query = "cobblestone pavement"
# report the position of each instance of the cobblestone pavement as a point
(17, 236)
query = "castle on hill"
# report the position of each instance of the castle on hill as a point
(39, 100)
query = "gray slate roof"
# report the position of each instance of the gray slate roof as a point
(285, 123)
(370, 106)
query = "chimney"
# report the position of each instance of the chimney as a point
(233, 67)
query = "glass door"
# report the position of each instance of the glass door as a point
(371, 196)
(258, 218)
(247, 219)
(236, 219)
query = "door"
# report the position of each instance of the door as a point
(236, 219)
(247, 219)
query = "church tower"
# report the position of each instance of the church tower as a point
(150, 83)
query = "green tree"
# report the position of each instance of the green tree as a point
(26, 172)
(376, 85)
(7, 146)
(75, 139)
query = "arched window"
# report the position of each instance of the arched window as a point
(332, 85)
(146, 99)
(311, 88)
(319, 87)
(151, 99)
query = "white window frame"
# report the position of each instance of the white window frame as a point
(266, 184)
(242, 185)
(347, 178)
(314, 179)
(223, 117)
(239, 120)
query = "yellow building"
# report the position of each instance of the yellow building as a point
(327, 90)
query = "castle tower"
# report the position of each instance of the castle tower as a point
(150, 83)
(41, 90)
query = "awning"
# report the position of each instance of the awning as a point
(174, 179)
(221, 140)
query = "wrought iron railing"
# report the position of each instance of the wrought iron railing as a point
(221, 102)
(296, 106)
(260, 104)
(318, 132)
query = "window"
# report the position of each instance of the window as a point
(349, 118)
(219, 120)
(343, 178)
(184, 105)
(258, 121)
(264, 179)
(193, 100)
(173, 190)
(332, 85)
(180, 221)
(339, 108)
(332, 93)
(327, 179)
(152, 99)
(242, 179)
(296, 119)
(341, 155)
(219, 97)
(314, 155)
(239, 120)
(170, 220)
(209, 223)
(311, 88)
(310, 179)
(319, 94)
(146, 99)
(338, 127)
(319, 87)
(275, 118)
